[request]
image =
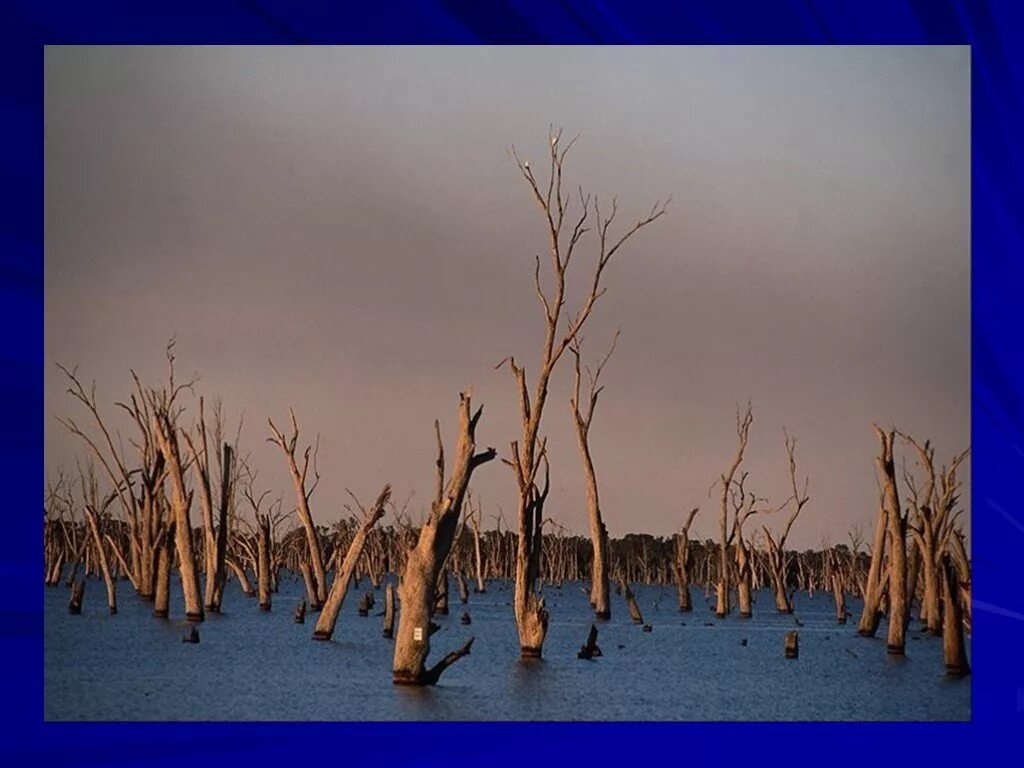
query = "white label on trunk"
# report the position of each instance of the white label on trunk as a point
(417, 633)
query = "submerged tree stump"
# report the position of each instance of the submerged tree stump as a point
(465, 618)
(77, 596)
(792, 645)
(300, 612)
(389, 611)
(364, 604)
(590, 649)
(191, 634)
(634, 609)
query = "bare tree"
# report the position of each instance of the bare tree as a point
(565, 229)
(95, 515)
(426, 560)
(743, 421)
(682, 562)
(583, 415)
(777, 560)
(303, 494)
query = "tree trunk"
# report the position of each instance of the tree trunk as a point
(242, 576)
(481, 584)
(389, 611)
(426, 559)
(165, 561)
(871, 614)
(215, 590)
(953, 647)
(329, 615)
(310, 582)
(930, 603)
(634, 609)
(897, 548)
(94, 528)
(840, 598)
(263, 562)
(463, 588)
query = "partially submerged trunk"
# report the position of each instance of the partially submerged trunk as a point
(871, 615)
(241, 576)
(215, 590)
(898, 546)
(634, 609)
(681, 564)
(92, 518)
(840, 598)
(77, 598)
(310, 581)
(165, 561)
(263, 562)
(463, 587)
(343, 574)
(481, 584)
(590, 650)
(389, 611)
(426, 559)
(953, 647)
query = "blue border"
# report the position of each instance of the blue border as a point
(996, 32)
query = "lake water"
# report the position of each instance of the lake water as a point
(251, 665)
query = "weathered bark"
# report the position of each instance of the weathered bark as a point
(302, 495)
(426, 559)
(897, 546)
(871, 615)
(332, 607)
(389, 611)
(953, 647)
(165, 561)
(263, 563)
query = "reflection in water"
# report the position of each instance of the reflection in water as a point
(255, 666)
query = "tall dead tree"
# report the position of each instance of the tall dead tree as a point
(565, 229)
(682, 562)
(303, 494)
(871, 613)
(777, 560)
(583, 416)
(481, 582)
(743, 421)
(426, 560)
(743, 503)
(897, 527)
(95, 512)
(165, 412)
(343, 572)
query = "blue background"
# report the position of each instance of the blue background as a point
(995, 30)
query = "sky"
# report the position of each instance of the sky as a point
(343, 231)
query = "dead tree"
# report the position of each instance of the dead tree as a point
(871, 614)
(165, 562)
(303, 494)
(743, 422)
(682, 562)
(634, 609)
(95, 511)
(481, 583)
(897, 526)
(343, 572)
(583, 415)
(164, 414)
(427, 558)
(777, 560)
(743, 504)
(565, 230)
(935, 508)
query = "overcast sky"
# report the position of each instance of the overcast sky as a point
(342, 230)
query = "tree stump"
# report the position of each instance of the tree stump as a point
(589, 650)
(300, 612)
(364, 604)
(77, 596)
(191, 635)
(465, 618)
(792, 645)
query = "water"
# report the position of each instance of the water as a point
(251, 665)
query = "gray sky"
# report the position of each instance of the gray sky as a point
(342, 230)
